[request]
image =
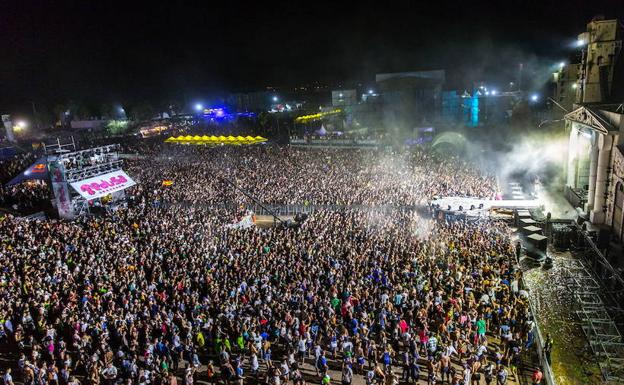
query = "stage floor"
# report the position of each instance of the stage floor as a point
(549, 202)
(481, 207)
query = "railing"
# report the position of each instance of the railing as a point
(337, 142)
(577, 198)
(549, 377)
(600, 312)
(294, 209)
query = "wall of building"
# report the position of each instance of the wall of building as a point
(566, 81)
(604, 44)
(344, 98)
(617, 176)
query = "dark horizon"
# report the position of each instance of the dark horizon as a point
(131, 52)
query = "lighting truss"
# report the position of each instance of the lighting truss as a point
(91, 171)
(81, 162)
(103, 150)
(595, 320)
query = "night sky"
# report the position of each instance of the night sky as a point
(107, 51)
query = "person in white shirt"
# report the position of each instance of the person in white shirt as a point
(254, 364)
(301, 348)
(8, 379)
(285, 371)
(450, 350)
(110, 373)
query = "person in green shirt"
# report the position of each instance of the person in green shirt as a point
(240, 341)
(481, 328)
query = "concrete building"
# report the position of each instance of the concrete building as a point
(600, 64)
(566, 85)
(478, 109)
(341, 98)
(595, 165)
(250, 101)
(412, 96)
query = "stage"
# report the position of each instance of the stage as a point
(549, 202)
(476, 206)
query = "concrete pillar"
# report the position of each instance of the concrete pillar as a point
(593, 165)
(571, 180)
(597, 216)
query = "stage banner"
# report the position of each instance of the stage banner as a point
(103, 185)
(61, 191)
(8, 127)
(63, 200)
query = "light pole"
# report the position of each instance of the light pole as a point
(35, 114)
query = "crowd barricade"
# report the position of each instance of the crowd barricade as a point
(539, 341)
(549, 377)
(337, 142)
(293, 209)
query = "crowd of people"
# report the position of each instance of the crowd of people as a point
(161, 294)
(289, 175)
(23, 197)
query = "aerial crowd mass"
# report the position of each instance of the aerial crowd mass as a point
(369, 289)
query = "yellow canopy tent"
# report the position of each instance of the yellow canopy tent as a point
(215, 140)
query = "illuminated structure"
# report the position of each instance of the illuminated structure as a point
(595, 78)
(216, 140)
(8, 126)
(344, 97)
(313, 117)
(600, 64)
(595, 166)
(566, 85)
(80, 179)
(413, 95)
(479, 108)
